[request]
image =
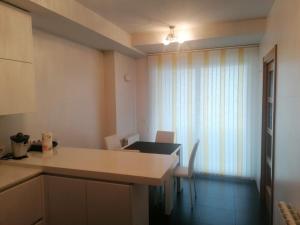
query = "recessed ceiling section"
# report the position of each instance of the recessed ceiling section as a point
(246, 32)
(203, 44)
(135, 27)
(156, 15)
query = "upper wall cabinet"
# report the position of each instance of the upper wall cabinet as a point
(15, 34)
(17, 80)
(17, 87)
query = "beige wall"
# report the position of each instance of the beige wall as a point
(70, 84)
(282, 29)
(143, 99)
(120, 94)
(125, 95)
(110, 92)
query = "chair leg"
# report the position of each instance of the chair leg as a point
(195, 190)
(178, 185)
(191, 193)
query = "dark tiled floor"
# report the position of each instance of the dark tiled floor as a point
(219, 202)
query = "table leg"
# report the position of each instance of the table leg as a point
(178, 183)
(178, 180)
(169, 190)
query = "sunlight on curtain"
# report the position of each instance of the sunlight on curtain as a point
(211, 96)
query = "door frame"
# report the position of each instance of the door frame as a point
(271, 56)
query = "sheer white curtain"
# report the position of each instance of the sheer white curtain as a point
(211, 96)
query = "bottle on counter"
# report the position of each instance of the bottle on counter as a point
(47, 143)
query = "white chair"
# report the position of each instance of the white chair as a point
(188, 172)
(112, 142)
(165, 136)
(129, 140)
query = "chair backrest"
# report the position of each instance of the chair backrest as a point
(192, 159)
(165, 136)
(132, 138)
(112, 142)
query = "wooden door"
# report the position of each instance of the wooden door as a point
(268, 133)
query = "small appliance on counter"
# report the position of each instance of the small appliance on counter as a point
(19, 145)
(37, 146)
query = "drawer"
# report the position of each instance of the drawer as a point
(22, 204)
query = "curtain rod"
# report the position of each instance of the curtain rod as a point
(205, 49)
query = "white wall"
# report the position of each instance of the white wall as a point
(126, 119)
(70, 103)
(143, 99)
(283, 29)
(110, 92)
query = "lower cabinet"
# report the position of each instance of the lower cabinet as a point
(72, 201)
(108, 203)
(22, 204)
(65, 201)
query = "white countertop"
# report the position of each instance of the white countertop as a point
(12, 175)
(115, 166)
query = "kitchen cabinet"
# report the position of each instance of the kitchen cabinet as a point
(102, 197)
(22, 204)
(16, 34)
(65, 201)
(74, 201)
(17, 80)
(114, 204)
(17, 87)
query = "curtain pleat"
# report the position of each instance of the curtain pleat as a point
(211, 96)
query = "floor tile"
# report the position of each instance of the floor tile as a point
(219, 202)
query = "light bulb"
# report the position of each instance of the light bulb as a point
(181, 40)
(166, 42)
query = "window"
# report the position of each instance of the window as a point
(211, 96)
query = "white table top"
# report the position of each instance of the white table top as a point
(12, 175)
(115, 166)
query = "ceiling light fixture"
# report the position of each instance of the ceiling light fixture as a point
(172, 38)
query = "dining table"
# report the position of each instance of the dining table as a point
(165, 149)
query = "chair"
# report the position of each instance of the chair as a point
(165, 136)
(188, 172)
(112, 142)
(129, 140)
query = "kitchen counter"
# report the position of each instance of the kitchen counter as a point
(13, 175)
(115, 166)
(90, 178)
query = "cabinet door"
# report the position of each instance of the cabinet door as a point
(16, 34)
(22, 204)
(109, 203)
(65, 201)
(17, 87)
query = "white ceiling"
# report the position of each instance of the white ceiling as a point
(204, 44)
(155, 15)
